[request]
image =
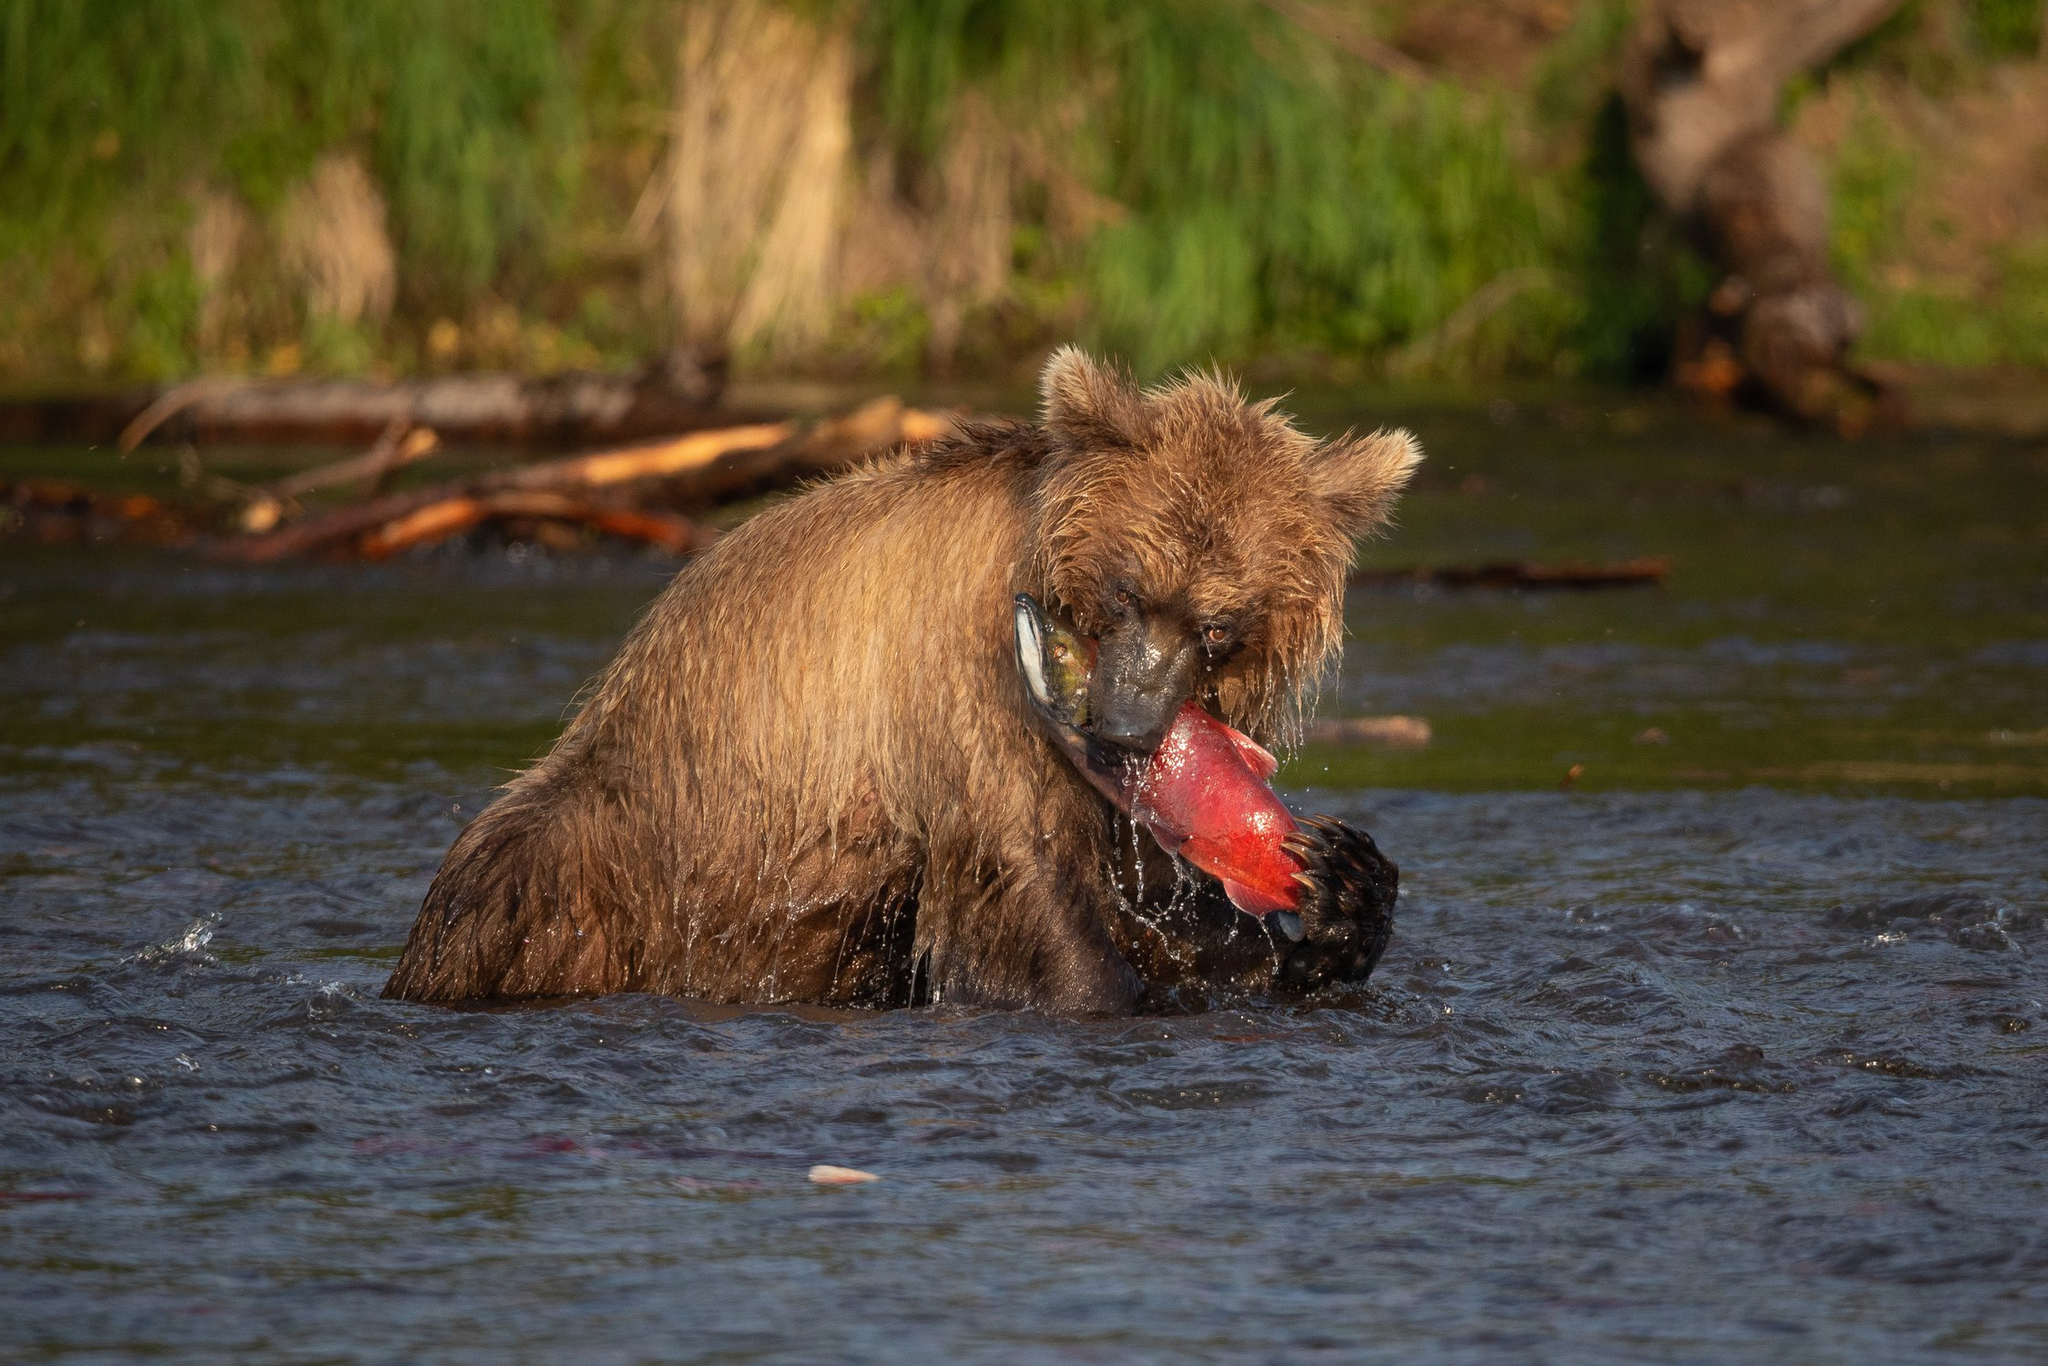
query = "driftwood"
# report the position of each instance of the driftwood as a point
(399, 446)
(333, 529)
(828, 447)
(1701, 81)
(651, 493)
(1524, 574)
(645, 493)
(453, 516)
(561, 410)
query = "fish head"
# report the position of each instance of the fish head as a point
(1056, 664)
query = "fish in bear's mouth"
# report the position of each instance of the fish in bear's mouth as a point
(1203, 793)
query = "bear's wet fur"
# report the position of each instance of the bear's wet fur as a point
(810, 774)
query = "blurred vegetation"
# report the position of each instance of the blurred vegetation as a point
(1187, 179)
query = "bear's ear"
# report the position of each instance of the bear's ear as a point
(1088, 404)
(1358, 477)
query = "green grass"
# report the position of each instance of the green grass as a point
(474, 116)
(1266, 194)
(1276, 195)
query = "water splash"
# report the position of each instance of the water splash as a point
(192, 943)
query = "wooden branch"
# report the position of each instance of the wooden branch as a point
(676, 535)
(588, 471)
(331, 529)
(453, 516)
(399, 446)
(1525, 574)
(830, 446)
(652, 461)
(652, 486)
(657, 483)
(437, 521)
(173, 402)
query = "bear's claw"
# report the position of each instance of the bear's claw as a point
(1347, 909)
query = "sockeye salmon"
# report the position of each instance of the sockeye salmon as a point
(1203, 794)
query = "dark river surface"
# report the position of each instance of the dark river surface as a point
(1732, 1051)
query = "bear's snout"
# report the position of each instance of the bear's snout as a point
(1145, 670)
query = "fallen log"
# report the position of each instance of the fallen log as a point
(832, 445)
(343, 524)
(656, 460)
(576, 409)
(1524, 574)
(329, 529)
(452, 516)
(659, 484)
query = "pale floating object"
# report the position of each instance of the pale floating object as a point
(825, 1174)
(1392, 732)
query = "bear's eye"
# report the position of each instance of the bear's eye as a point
(1215, 635)
(1124, 597)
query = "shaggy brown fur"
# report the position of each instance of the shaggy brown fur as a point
(810, 774)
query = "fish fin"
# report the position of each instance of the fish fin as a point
(1255, 901)
(1255, 755)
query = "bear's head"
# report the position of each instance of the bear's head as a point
(1204, 541)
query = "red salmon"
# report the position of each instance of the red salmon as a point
(1205, 796)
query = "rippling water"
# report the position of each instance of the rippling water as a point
(1734, 1051)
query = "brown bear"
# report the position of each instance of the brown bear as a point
(811, 773)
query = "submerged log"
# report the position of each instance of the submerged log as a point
(1701, 81)
(1524, 574)
(57, 512)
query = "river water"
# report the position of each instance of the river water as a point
(1733, 1050)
